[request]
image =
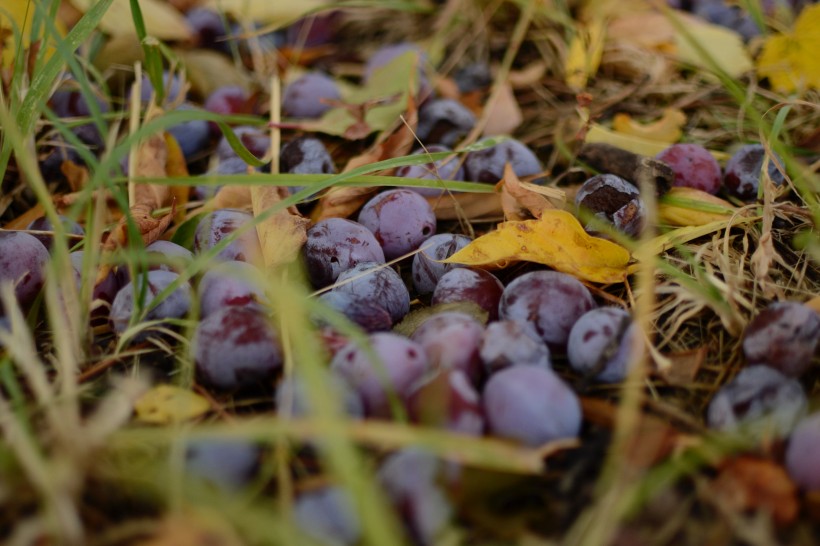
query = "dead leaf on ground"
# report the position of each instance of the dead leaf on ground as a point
(654, 438)
(692, 207)
(282, 235)
(556, 239)
(467, 206)
(668, 129)
(749, 483)
(683, 366)
(165, 404)
(76, 175)
(504, 115)
(342, 201)
(162, 20)
(519, 201)
(531, 74)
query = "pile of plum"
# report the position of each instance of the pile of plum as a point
(490, 367)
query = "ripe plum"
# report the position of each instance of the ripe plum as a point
(694, 167)
(378, 283)
(309, 95)
(488, 165)
(176, 305)
(508, 343)
(400, 219)
(743, 171)
(220, 224)
(784, 336)
(335, 245)
(604, 343)
(465, 284)
(427, 268)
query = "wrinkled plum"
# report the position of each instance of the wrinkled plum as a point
(784, 336)
(476, 285)
(380, 284)
(401, 364)
(694, 167)
(427, 269)
(335, 245)
(530, 404)
(310, 96)
(508, 343)
(236, 347)
(549, 301)
(487, 165)
(759, 401)
(400, 219)
(220, 224)
(613, 200)
(743, 171)
(605, 343)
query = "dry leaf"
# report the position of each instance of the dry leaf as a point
(208, 70)
(683, 206)
(644, 29)
(19, 14)
(165, 404)
(683, 366)
(527, 76)
(518, 201)
(467, 206)
(667, 129)
(556, 239)
(282, 235)
(585, 52)
(188, 528)
(162, 20)
(748, 483)
(790, 60)
(76, 175)
(654, 438)
(682, 235)
(274, 13)
(723, 46)
(505, 114)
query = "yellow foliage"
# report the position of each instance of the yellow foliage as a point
(168, 404)
(790, 60)
(162, 20)
(556, 239)
(693, 207)
(667, 129)
(17, 15)
(585, 52)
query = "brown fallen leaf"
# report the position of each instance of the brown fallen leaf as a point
(152, 160)
(556, 239)
(504, 115)
(76, 175)
(654, 438)
(467, 206)
(749, 483)
(683, 366)
(521, 201)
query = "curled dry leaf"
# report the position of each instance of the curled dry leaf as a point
(520, 201)
(504, 115)
(667, 129)
(692, 207)
(165, 404)
(153, 159)
(556, 239)
(749, 483)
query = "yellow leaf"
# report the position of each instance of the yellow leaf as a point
(585, 52)
(691, 207)
(631, 143)
(275, 12)
(556, 239)
(724, 46)
(682, 235)
(162, 20)
(667, 129)
(168, 404)
(17, 16)
(282, 235)
(790, 60)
